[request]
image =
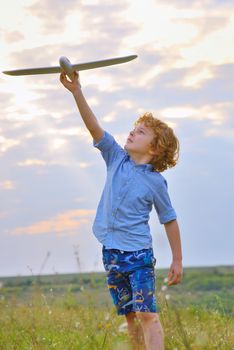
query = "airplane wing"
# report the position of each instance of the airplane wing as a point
(77, 67)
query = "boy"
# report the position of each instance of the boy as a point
(133, 185)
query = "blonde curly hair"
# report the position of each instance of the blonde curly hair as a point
(165, 142)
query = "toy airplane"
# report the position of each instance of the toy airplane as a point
(65, 65)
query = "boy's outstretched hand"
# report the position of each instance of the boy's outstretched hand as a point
(71, 85)
(175, 273)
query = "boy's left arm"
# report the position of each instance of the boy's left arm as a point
(176, 269)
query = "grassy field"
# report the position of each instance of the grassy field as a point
(74, 311)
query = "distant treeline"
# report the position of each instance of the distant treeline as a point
(195, 278)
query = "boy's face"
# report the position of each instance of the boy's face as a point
(139, 140)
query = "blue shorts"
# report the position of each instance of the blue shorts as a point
(131, 279)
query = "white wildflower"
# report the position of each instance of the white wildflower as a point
(107, 317)
(123, 327)
(77, 324)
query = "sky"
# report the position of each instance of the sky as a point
(52, 177)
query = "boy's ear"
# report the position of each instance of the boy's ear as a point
(153, 151)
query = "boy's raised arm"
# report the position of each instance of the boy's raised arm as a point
(86, 113)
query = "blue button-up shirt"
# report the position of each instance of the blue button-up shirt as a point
(130, 192)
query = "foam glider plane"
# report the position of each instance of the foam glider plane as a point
(65, 65)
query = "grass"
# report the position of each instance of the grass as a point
(58, 323)
(66, 312)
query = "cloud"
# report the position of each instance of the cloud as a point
(72, 28)
(65, 223)
(207, 4)
(32, 162)
(190, 34)
(6, 144)
(3, 214)
(42, 8)
(13, 36)
(110, 117)
(7, 185)
(216, 120)
(198, 75)
(6, 100)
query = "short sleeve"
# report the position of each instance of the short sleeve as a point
(162, 203)
(110, 149)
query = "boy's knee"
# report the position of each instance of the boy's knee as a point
(148, 318)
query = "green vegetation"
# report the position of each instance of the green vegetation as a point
(74, 311)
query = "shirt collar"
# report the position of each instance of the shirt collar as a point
(141, 167)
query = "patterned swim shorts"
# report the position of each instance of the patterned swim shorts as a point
(131, 279)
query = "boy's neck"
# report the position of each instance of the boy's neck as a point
(140, 158)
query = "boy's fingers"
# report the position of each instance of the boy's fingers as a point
(75, 74)
(174, 278)
(62, 75)
(173, 281)
(175, 274)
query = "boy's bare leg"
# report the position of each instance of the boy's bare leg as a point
(135, 332)
(152, 329)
